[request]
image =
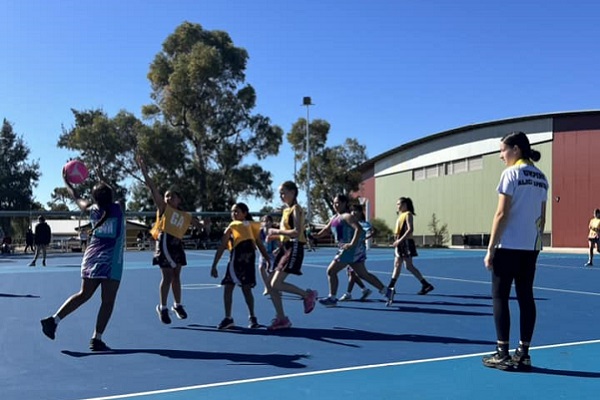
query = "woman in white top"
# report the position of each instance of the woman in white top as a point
(515, 242)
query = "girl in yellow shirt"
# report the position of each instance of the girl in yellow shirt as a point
(170, 226)
(241, 237)
(594, 236)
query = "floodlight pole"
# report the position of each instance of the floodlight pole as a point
(306, 101)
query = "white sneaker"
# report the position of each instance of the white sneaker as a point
(346, 297)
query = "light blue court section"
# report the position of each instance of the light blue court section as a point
(569, 371)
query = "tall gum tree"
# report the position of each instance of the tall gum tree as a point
(198, 88)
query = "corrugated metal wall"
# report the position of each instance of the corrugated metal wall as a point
(576, 170)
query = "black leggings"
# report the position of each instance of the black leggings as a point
(518, 266)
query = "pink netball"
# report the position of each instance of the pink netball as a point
(76, 171)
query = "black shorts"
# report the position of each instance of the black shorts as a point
(241, 268)
(289, 257)
(169, 252)
(406, 249)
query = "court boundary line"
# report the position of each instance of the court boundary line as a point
(327, 371)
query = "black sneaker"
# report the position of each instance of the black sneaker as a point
(49, 327)
(426, 289)
(498, 360)
(389, 294)
(163, 315)
(521, 361)
(179, 311)
(44, 263)
(226, 324)
(253, 323)
(98, 345)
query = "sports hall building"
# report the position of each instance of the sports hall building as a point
(454, 174)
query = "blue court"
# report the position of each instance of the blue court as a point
(423, 347)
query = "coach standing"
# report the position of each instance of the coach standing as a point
(42, 237)
(515, 243)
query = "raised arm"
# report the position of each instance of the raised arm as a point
(158, 198)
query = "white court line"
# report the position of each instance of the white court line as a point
(328, 371)
(441, 278)
(535, 287)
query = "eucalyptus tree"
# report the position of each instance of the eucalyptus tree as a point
(199, 89)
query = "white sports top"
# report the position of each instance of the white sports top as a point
(528, 188)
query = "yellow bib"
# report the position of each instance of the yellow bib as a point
(243, 230)
(174, 222)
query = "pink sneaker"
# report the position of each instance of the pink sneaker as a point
(310, 300)
(276, 323)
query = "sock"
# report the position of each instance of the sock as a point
(56, 319)
(163, 307)
(176, 305)
(97, 336)
(392, 282)
(503, 348)
(524, 348)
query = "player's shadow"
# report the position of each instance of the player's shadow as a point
(338, 335)
(27, 296)
(428, 303)
(276, 360)
(560, 372)
(478, 297)
(397, 306)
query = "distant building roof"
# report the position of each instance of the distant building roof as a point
(70, 227)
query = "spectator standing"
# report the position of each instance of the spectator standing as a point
(29, 240)
(42, 237)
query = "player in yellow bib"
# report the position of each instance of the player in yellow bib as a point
(170, 226)
(241, 237)
(594, 237)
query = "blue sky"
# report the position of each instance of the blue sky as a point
(385, 72)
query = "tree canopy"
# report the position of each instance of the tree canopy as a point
(18, 174)
(199, 90)
(332, 169)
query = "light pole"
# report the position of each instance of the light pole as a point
(306, 101)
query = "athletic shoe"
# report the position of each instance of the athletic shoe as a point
(521, 361)
(426, 289)
(499, 360)
(163, 315)
(226, 323)
(44, 263)
(98, 345)
(346, 297)
(389, 294)
(587, 264)
(179, 311)
(310, 300)
(32, 264)
(49, 327)
(329, 301)
(253, 323)
(276, 324)
(365, 294)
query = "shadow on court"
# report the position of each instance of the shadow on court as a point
(439, 311)
(338, 334)
(25, 296)
(560, 372)
(275, 360)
